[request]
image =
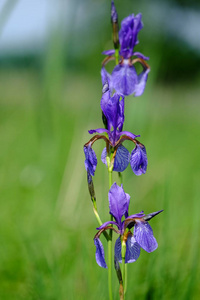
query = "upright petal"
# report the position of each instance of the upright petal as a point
(128, 33)
(138, 160)
(143, 234)
(90, 159)
(118, 202)
(100, 257)
(124, 79)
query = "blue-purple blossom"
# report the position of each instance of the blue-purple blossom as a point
(142, 236)
(124, 78)
(113, 111)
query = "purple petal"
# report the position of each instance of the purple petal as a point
(106, 82)
(98, 130)
(132, 250)
(124, 79)
(130, 28)
(142, 79)
(106, 224)
(100, 257)
(129, 134)
(140, 55)
(113, 109)
(118, 202)
(118, 250)
(103, 156)
(114, 16)
(109, 52)
(122, 159)
(90, 159)
(144, 236)
(138, 160)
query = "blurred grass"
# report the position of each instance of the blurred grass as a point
(46, 220)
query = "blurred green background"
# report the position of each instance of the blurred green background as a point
(50, 91)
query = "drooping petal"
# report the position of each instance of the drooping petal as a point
(100, 257)
(138, 160)
(132, 250)
(118, 202)
(122, 159)
(124, 79)
(142, 79)
(118, 250)
(107, 84)
(90, 159)
(143, 234)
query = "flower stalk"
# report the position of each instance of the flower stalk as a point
(133, 230)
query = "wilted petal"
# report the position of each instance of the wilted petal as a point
(122, 159)
(118, 202)
(142, 79)
(100, 257)
(90, 159)
(132, 250)
(143, 234)
(138, 160)
(124, 79)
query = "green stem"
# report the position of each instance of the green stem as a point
(110, 240)
(123, 265)
(99, 219)
(125, 283)
(120, 178)
(110, 269)
(117, 56)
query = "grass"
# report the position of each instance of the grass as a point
(46, 220)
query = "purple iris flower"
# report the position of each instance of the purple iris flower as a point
(113, 110)
(142, 236)
(124, 78)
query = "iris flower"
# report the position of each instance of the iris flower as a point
(142, 236)
(124, 78)
(113, 110)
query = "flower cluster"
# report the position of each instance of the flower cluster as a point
(134, 231)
